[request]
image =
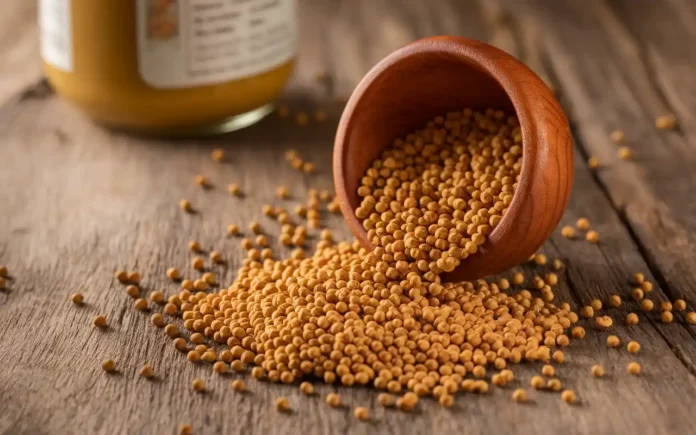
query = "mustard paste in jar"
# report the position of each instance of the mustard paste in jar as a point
(169, 66)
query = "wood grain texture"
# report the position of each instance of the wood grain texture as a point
(78, 202)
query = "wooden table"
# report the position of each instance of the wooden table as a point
(78, 202)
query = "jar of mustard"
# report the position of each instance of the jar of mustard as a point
(169, 66)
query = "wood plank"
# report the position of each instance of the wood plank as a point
(86, 201)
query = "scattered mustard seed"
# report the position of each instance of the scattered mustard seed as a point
(540, 259)
(596, 304)
(614, 301)
(170, 309)
(568, 232)
(198, 385)
(613, 341)
(519, 395)
(666, 122)
(122, 276)
(587, 312)
(597, 371)
(147, 372)
(218, 155)
(215, 257)
(385, 399)
(624, 153)
(140, 304)
(537, 382)
(333, 400)
(518, 278)
(578, 332)
(592, 236)
(99, 321)
(604, 322)
(634, 368)
(109, 365)
(666, 306)
(171, 330)
(679, 305)
(646, 286)
(238, 385)
(197, 263)
(593, 162)
(637, 294)
(202, 181)
(232, 230)
(691, 318)
(233, 189)
(185, 205)
(632, 319)
(559, 357)
(185, 429)
(583, 224)
(633, 347)
(548, 370)
(307, 388)
(617, 136)
(361, 413)
(173, 273)
(646, 305)
(557, 265)
(220, 367)
(77, 298)
(667, 317)
(638, 278)
(157, 320)
(569, 396)
(282, 404)
(320, 115)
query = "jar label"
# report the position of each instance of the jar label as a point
(206, 42)
(55, 33)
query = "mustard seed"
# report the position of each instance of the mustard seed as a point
(170, 309)
(185, 205)
(587, 312)
(157, 320)
(667, 317)
(171, 330)
(679, 305)
(197, 263)
(140, 304)
(185, 429)
(282, 404)
(518, 278)
(77, 298)
(646, 286)
(578, 332)
(209, 278)
(559, 357)
(232, 230)
(568, 396)
(666, 122)
(634, 368)
(109, 365)
(557, 265)
(568, 232)
(180, 344)
(233, 189)
(604, 322)
(215, 257)
(198, 385)
(592, 236)
(554, 385)
(637, 294)
(133, 291)
(646, 305)
(147, 372)
(333, 400)
(540, 259)
(614, 301)
(99, 321)
(307, 388)
(173, 273)
(122, 276)
(597, 371)
(519, 395)
(632, 319)
(617, 136)
(202, 181)
(282, 192)
(596, 304)
(633, 347)
(446, 401)
(593, 162)
(613, 341)
(218, 155)
(624, 153)
(666, 306)
(537, 382)
(583, 224)
(691, 318)
(361, 413)
(220, 367)
(238, 385)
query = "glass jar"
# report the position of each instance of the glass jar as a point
(169, 66)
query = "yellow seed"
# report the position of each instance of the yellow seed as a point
(569, 396)
(282, 404)
(220, 367)
(194, 246)
(185, 205)
(157, 320)
(637, 294)
(518, 278)
(593, 162)
(679, 305)
(568, 232)
(361, 413)
(197, 263)
(99, 321)
(209, 278)
(597, 371)
(77, 298)
(537, 382)
(308, 168)
(218, 155)
(646, 305)
(554, 385)
(624, 153)
(215, 257)
(185, 429)
(634, 368)
(592, 236)
(385, 399)
(122, 276)
(147, 372)
(170, 309)
(557, 264)
(558, 357)
(180, 344)
(307, 388)
(596, 304)
(202, 181)
(133, 291)
(446, 401)
(238, 385)
(232, 230)
(198, 385)
(587, 312)
(691, 318)
(257, 373)
(578, 332)
(540, 259)
(282, 192)
(548, 370)
(134, 277)
(140, 304)
(173, 273)
(519, 395)
(583, 224)
(633, 346)
(667, 317)
(171, 330)
(646, 286)
(233, 189)
(333, 400)
(617, 136)
(638, 278)
(666, 122)
(613, 341)
(604, 322)
(109, 365)
(614, 301)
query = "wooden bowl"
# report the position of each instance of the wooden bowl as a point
(431, 77)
